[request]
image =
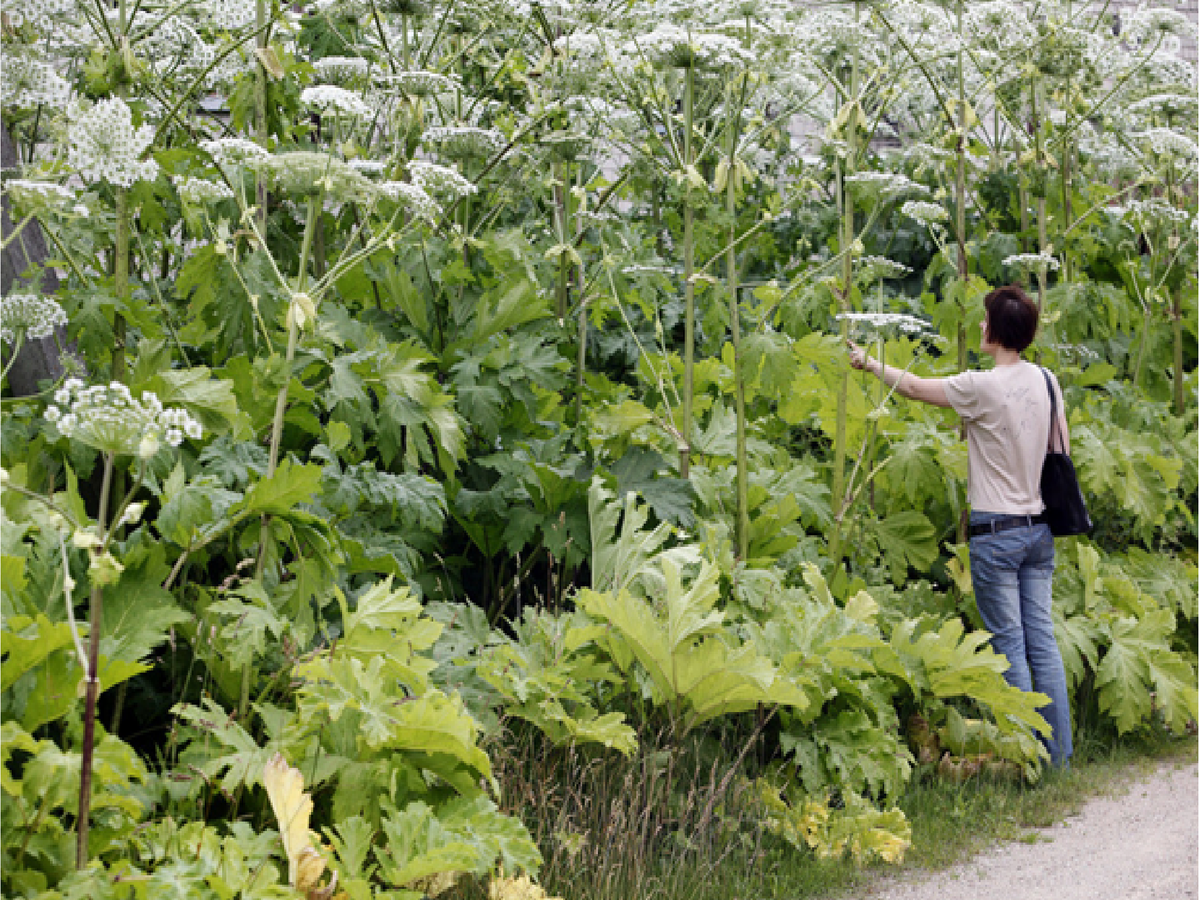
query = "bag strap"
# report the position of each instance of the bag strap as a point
(1053, 411)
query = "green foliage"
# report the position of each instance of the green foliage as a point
(1115, 632)
(418, 388)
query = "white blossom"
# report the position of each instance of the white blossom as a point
(1032, 262)
(308, 173)
(465, 141)
(341, 68)
(884, 185)
(872, 268)
(418, 84)
(1167, 142)
(27, 83)
(233, 152)
(683, 48)
(330, 100)
(41, 14)
(109, 419)
(29, 315)
(885, 322)
(435, 179)
(102, 144)
(413, 197)
(231, 14)
(38, 196)
(201, 190)
(924, 212)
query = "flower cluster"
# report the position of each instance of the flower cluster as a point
(109, 419)
(341, 68)
(412, 197)
(435, 179)
(233, 153)
(1032, 262)
(465, 141)
(231, 14)
(873, 268)
(41, 14)
(417, 84)
(306, 173)
(924, 212)
(679, 48)
(1150, 211)
(199, 191)
(884, 323)
(26, 83)
(38, 196)
(1167, 142)
(29, 315)
(884, 185)
(103, 144)
(329, 100)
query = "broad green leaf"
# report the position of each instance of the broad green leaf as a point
(280, 494)
(907, 539)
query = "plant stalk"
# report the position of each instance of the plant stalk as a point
(689, 288)
(91, 676)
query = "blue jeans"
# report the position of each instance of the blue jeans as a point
(1012, 573)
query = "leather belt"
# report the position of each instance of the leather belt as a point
(1005, 523)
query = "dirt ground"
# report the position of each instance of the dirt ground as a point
(1138, 844)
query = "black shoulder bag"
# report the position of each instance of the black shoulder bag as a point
(1065, 513)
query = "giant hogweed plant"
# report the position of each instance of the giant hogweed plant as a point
(344, 284)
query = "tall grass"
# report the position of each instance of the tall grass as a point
(680, 820)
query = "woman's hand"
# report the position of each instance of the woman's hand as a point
(859, 358)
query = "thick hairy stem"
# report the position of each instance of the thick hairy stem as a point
(93, 687)
(960, 189)
(581, 331)
(1177, 358)
(735, 330)
(846, 207)
(120, 282)
(689, 288)
(260, 112)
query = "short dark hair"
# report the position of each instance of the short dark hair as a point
(1012, 318)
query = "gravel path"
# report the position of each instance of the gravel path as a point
(1137, 845)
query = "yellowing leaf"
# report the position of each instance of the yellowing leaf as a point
(292, 807)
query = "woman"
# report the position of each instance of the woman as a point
(1007, 414)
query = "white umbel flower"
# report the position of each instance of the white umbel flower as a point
(1167, 142)
(199, 191)
(27, 83)
(32, 316)
(233, 153)
(924, 212)
(38, 196)
(231, 14)
(873, 268)
(103, 145)
(418, 84)
(330, 100)
(465, 141)
(1032, 262)
(440, 180)
(883, 323)
(883, 185)
(412, 197)
(109, 419)
(352, 69)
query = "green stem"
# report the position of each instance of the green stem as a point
(739, 397)
(93, 687)
(960, 189)
(846, 202)
(689, 287)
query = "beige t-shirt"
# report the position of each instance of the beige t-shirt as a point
(1007, 414)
